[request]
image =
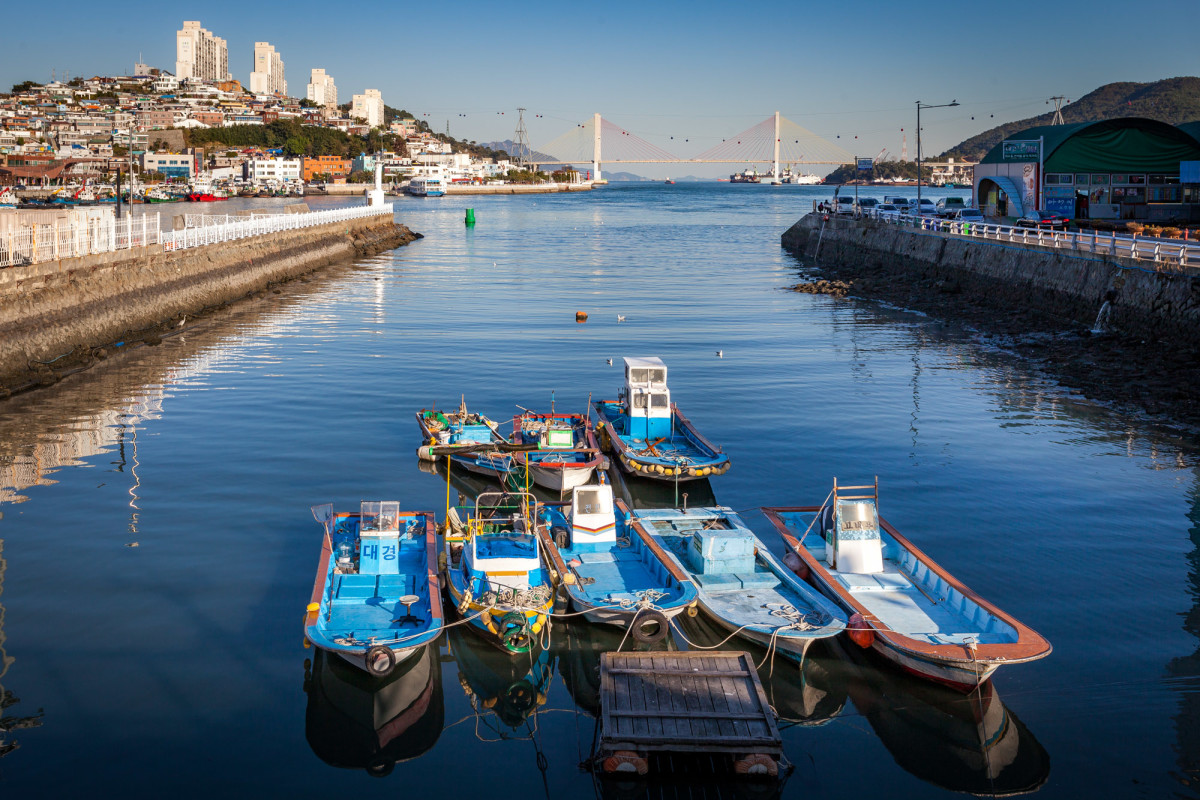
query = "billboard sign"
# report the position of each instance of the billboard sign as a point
(866, 164)
(1021, 150)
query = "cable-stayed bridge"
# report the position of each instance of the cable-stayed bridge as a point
(775, 139)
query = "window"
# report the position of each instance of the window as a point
(1137, 180)
(1081, 180)
(1165, 194)
(1119, 178)
(1059, 180)
(658, 400)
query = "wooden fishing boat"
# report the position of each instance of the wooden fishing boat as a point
(375, 601)
(611, 573)
(471, 440)
(902, 604)
(493, 569)
(566, 452)
(740, 585)
(648, 435)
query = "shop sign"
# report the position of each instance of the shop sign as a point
(1021, 150)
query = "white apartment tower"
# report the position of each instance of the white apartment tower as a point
(368, 107)
(321, 89)
(200, 55)
(267, 77)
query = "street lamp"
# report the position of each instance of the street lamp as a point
(920, 105)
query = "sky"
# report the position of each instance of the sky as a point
(700, 71)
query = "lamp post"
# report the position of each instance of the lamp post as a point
(921, 105)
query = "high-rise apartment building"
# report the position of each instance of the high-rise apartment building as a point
(267, 77)
(368, 107)
(200, 55)
(321, 89)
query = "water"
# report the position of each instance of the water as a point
(177, 665)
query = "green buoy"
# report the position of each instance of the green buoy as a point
(470, 220)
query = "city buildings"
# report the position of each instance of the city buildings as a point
(200, 55)
(332, 166)
(368, 107)
(262, 170)
(267, 77)
(321, 89)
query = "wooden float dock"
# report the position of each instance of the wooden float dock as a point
(702, 703)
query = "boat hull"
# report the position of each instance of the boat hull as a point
(485, 620)
(687, 456)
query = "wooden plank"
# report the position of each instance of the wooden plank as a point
(633, 712)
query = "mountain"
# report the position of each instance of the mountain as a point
(1173, 100)
(509, 146)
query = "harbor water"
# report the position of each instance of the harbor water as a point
(158, 551)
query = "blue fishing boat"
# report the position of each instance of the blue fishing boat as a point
(471, 440)
(493, 569)
(611, 573)
(564, 453)
(648, 435)
(740, 585)
(901, 603)
(376, 600)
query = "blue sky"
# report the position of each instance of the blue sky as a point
(702, 71)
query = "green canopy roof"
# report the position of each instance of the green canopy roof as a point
(1191, 128)
(1127, 144)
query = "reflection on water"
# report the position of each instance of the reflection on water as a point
(354, 721)
(9, 722)
(1187, 670)
(505, 692)
(963, 742)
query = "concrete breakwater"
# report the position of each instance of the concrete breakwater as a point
(60, 316)
(1039, 302)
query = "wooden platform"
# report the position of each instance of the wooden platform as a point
(698, 702)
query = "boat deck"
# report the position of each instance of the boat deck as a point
(616, 575)
(361, 603)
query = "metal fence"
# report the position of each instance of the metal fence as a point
(1160, 251)
(221, 228)
(71, 238)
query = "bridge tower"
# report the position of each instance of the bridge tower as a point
(596, 151)
(775, 169)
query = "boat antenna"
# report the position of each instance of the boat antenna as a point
(551, 402)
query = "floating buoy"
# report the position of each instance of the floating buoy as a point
(796, 564)
(470, 218)
(581, 316)
(860, 632)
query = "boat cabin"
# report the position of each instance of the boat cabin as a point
(647, 399)
(593, 519)
(380, 528)
(852, 532)
(501, 543)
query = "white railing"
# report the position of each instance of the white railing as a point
(72, 238)
(1160, 251)
(203, 230)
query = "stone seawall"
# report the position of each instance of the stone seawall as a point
(1149, 301)
(70, 312)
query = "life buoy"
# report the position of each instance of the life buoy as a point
(514, 632)
(380, 661)
(757, 764)
(626, 761)
(649, 626)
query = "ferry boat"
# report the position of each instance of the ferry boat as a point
(746, 176)
(903, 605)
(565, 452)
(376, 599)
(807, 179)
(648, 435)
(493, 569)
(740, 585)
(426, 187)
(612, 573)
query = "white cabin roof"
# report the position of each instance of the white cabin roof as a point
(650, 361)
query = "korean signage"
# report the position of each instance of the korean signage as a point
(1021, 150)
(866, 164)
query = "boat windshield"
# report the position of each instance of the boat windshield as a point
(655, 377)
(506, 545)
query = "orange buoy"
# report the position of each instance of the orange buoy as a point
(581, 316)
(861, 633)
(796, 564)
(757, 764)
(626, 761)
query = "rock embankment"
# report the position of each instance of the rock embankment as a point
(60, 317)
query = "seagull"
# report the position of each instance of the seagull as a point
(620, 317)
(610, 362)
(720, 354)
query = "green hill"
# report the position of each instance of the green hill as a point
(1174, 100)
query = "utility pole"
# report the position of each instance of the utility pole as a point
(1058, 117)
(521, 150)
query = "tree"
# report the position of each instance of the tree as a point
(20, 141)
(297, 146)
(24, 86)
(362, 176)
(306, 103)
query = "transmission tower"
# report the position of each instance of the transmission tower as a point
(521, 151)
(1058, 117)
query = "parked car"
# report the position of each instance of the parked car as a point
(927, 208)
(947, 206)
(1043, 219)
(968, 215)
(896, 200)
(887, 209)
(867, 203)
(843, 205)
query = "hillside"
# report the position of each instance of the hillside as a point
(1173, 100)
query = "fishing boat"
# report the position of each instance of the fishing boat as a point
(648, 435)
(471, 439)
(669, 182)
(160, 195)
(901, 603)
(740, 585)
(376, 600)
(8, 198)
(565, 455)
(611, 573)
(493, 569)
